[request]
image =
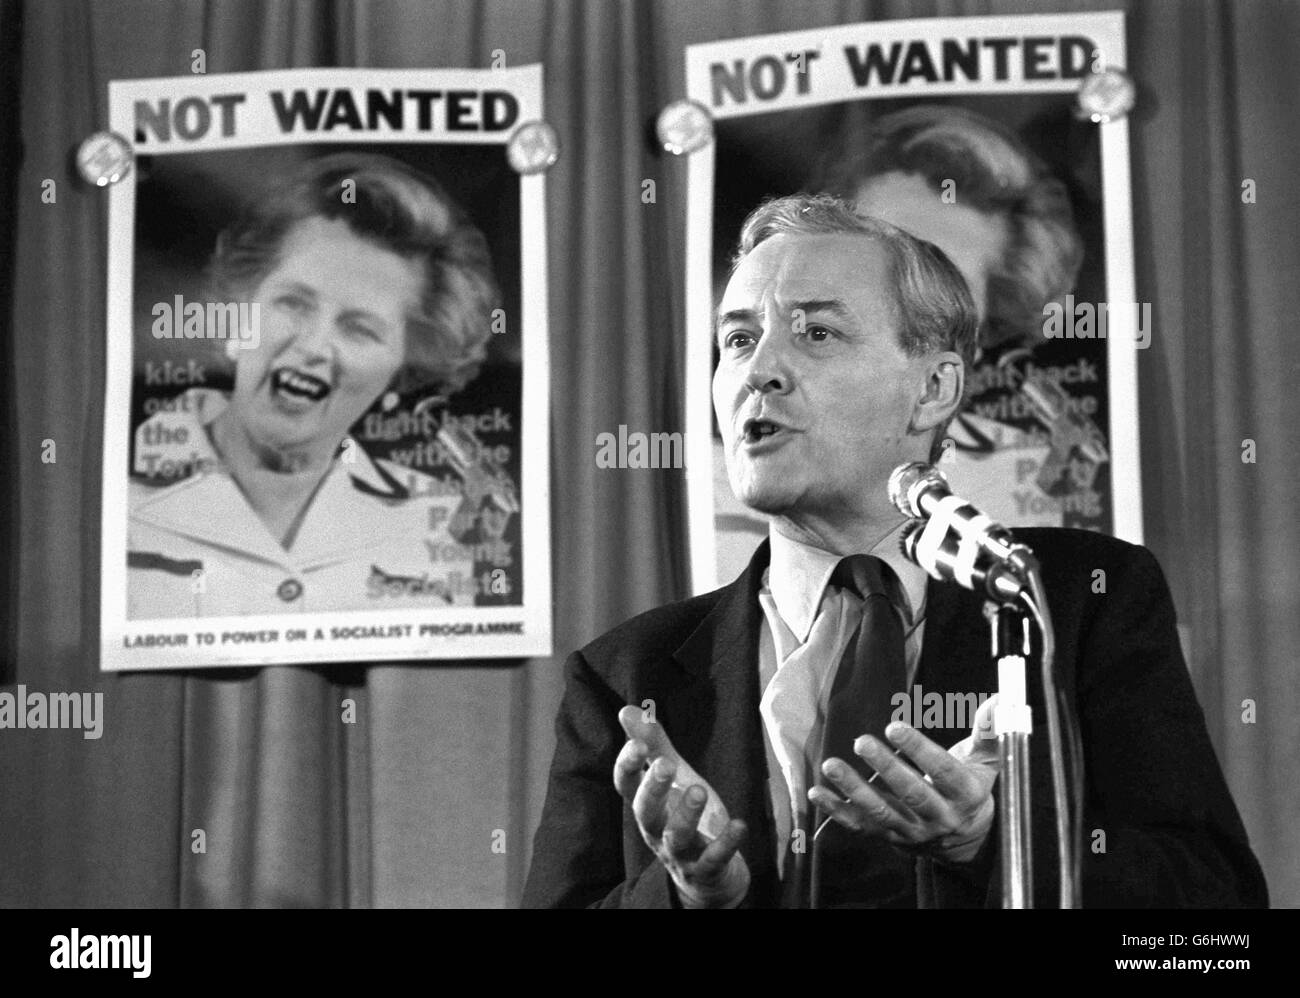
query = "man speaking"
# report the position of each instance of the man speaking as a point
(745, 747)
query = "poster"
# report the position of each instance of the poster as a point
(963, 131)
(326, 401)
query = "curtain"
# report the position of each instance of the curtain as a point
(401, 808)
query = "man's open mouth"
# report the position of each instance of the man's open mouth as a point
(297, 384)
(755, 430)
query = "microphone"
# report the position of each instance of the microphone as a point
(952, 540)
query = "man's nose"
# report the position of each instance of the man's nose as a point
(769, 364)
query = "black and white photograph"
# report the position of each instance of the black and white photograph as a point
(326, 418)
(521, 455)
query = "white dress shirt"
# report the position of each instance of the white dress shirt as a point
(806, 628)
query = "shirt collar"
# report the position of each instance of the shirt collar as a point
(197, 408)
(207, 505)
(799, 572)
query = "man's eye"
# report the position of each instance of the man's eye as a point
(818, 334)
(737, 339)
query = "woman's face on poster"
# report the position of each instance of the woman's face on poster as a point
(975, 241)
(333, 334)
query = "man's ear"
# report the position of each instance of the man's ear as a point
(945, 380)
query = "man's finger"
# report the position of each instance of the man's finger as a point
(949, 776)
(637, 724)
(717, 854)
(981, 745)
(912, 791)
(629, 767)
(843, 812)
(865, 810)
(680, 833)
(649, 804)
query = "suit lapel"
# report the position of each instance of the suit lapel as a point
(714, 720)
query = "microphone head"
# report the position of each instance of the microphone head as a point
(906, 481)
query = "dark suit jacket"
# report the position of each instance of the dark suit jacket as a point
(1170, 834)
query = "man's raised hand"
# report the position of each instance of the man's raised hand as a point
(680, 816)
(944, 810)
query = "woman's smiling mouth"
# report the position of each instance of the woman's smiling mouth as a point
(297, 387)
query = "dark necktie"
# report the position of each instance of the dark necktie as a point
(849, 868)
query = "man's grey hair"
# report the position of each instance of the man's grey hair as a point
(934, 305)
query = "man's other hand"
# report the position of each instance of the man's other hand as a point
(669, 799)
(944, 811)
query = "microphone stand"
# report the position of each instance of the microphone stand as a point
(1012, 726)
(1069, 828)
(954, 542)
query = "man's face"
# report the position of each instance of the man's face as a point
(333, 334)
(975, 241)
(813, 391)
